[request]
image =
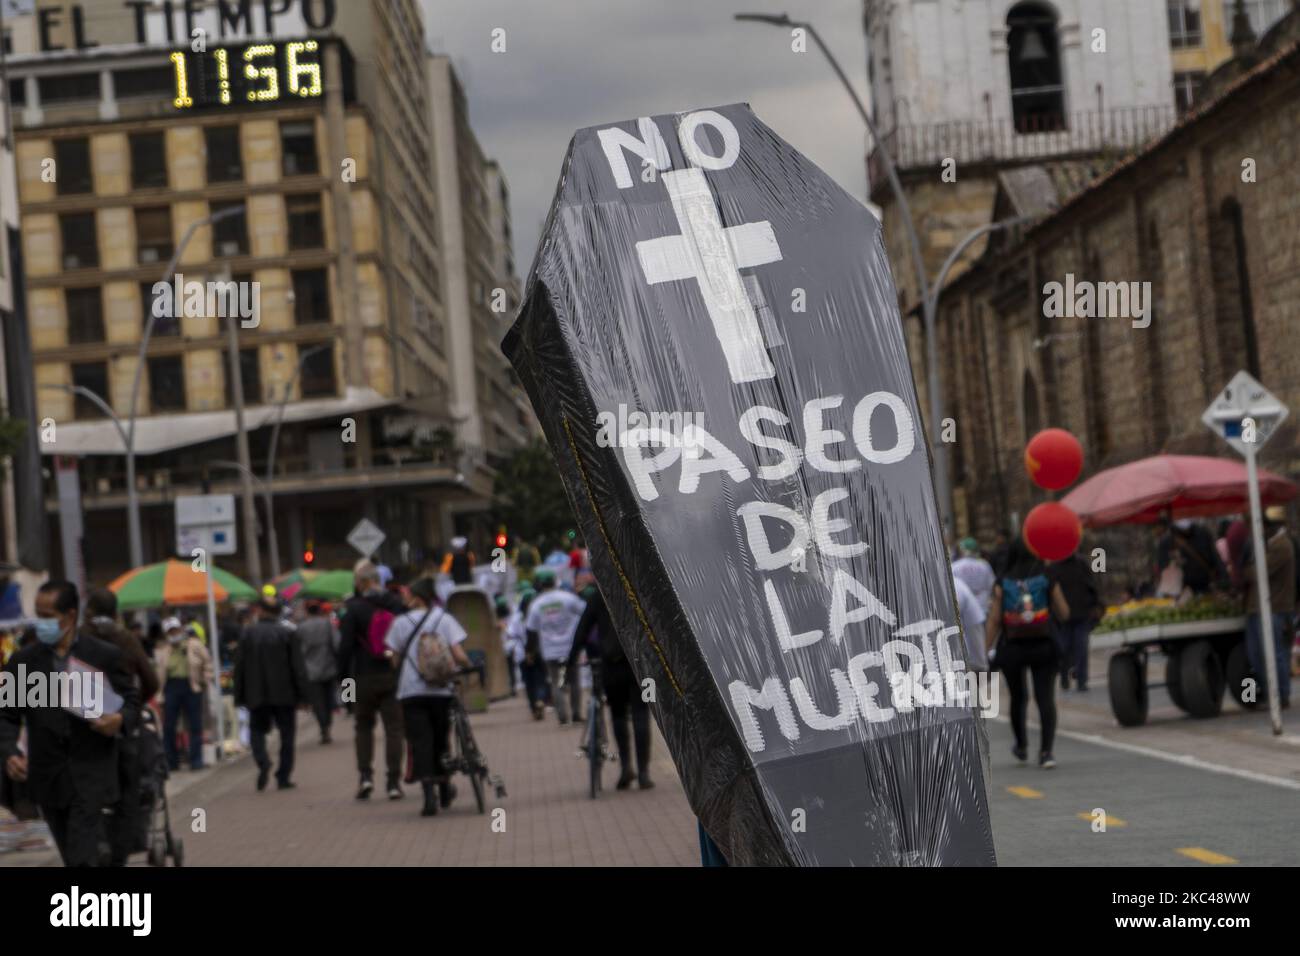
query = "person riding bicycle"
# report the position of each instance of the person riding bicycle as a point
(596, 635)
(550, 624)
(426, 707)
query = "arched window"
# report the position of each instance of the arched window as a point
(1029, 404)
(1034, 56)
(1235, 310)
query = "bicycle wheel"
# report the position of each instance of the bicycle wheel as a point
(469, 763)
(594, 747)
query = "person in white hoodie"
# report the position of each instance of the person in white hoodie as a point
(552, 618)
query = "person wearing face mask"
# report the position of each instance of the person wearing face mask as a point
(71, 763)
(185, 669)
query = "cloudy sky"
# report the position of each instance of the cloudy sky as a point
(575, 63)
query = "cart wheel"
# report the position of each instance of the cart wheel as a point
(178, 852)
(158, 851)
(1201, 676)
(1128, 689)
(1173, 677)
(1236, 673)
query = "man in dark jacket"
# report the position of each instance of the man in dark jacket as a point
(101, 609)
(271, 682)
(1079, 592)
(375, 677)
(71, 763)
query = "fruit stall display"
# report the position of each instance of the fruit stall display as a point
(1149, 611)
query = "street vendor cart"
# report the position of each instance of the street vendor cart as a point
(1203, 640)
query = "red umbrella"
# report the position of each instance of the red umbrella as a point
(1188, 486)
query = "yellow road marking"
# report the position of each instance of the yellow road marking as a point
(1029, 793)
(1204, 855)
(1110, 820)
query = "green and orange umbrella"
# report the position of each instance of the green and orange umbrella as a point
(290, 583)
(175, 583)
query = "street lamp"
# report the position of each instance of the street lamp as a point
(132, 498)
(272, 540)
(102, 405)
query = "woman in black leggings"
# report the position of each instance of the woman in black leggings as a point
(1039, 655)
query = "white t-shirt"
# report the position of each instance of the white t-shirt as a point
(515, 638)
(402, 631)
(973, 614)
(554, 615)
(976, 574)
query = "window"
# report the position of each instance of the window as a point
(225, 162)
(250, 376)
(298, 148)
(167, 384)
(1262, 14)
(18, 90)
(85, 308)
(1184, 23)
(72, 166)
(153, 234)
(148, 161)
(68, 88)
(1235, 312)
(229, 235)
(317, 375)
(80, 249)
(1186, 87)
(311, 296)
(164, 324)
(1037, 93)
(306, 223)
(145, 81)
(93, 377)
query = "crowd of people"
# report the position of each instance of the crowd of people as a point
(1032, 620)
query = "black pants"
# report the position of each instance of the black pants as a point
(322, 702)
(79, 832)
(123, 826)
(377, 695)
(260, 720)
(428, 728)
(1040, 655)
(623, 695)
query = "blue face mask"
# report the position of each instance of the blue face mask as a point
(48, 630)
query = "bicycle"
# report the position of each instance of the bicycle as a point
(595, 737)
(465, 756)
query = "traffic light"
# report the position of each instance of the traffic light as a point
(501, 539)
(308, 556)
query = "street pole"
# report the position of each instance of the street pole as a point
(215, 643)
(132, 498)
(272, 540)
(1261, 582)
(942, 473)
(241, 446)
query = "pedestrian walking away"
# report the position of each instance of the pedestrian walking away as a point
(271, 681)
(364, 656)
(185, 670)
(1019, 632)
(70, 760)
(1073, 616)
(552, 618)
(425, 643)
(532, 669)
(317, 638)
(1280, 558)
(976, 573)
(101, 610)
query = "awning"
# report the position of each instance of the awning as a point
(167, 432)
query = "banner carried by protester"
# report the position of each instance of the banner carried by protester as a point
(711, 340)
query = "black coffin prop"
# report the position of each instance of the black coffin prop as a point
(710, 337)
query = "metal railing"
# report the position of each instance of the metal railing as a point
(973, 141)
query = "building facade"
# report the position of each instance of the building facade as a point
(321, 140)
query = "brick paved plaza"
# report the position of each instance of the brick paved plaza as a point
(549, 820)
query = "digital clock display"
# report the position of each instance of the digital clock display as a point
(247, 75)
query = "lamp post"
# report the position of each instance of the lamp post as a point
(102, 405)
(133, 499)
(271, 538)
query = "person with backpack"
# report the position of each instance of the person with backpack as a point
(1019, 626)
(364, 656)
(425, 645)
(1081, 607)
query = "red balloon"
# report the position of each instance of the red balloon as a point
(1052, 531)
(1054, 459)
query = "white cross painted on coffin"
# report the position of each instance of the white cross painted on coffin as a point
(713, 256)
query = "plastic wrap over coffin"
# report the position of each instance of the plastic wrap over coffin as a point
(710, 337)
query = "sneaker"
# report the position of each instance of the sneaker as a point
(446, 794)
(644, 782)
(285, 785)
(364, 791)
(625, 780)
(262, 777)
(1046, 761)
(1020, 753)
(325, 738)
(394, 791)
(430, 807)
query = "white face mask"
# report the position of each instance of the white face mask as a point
(176, 637)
